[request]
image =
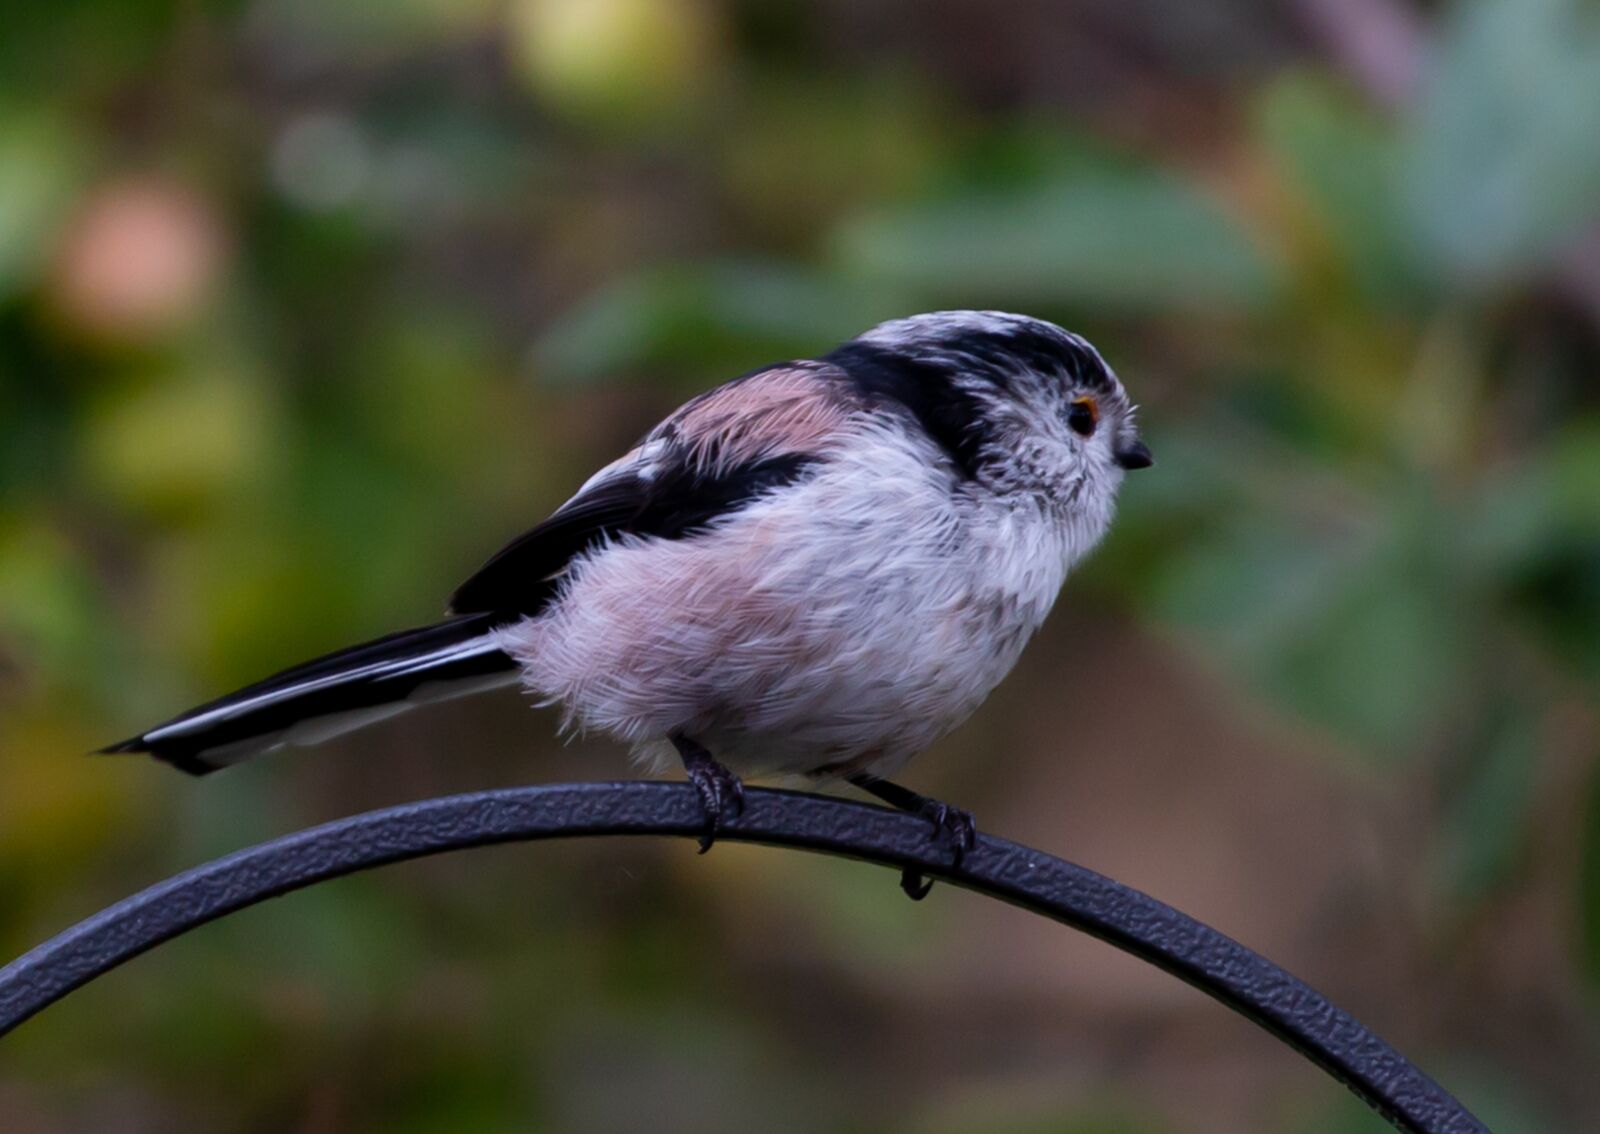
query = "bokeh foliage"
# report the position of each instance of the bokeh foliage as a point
(303, 306)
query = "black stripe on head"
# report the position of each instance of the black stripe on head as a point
(999, 356)
(951, 415)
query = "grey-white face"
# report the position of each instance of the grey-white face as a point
(1044, 414)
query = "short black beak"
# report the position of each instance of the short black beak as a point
(1135, 456)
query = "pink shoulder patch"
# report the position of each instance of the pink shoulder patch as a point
(788, 409)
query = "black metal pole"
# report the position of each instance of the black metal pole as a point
(1128, 919)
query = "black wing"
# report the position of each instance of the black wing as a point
(669, 498)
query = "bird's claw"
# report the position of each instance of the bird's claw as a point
(950, 824)
(954, 825)
(721, 797)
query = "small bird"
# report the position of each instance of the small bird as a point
(818, 568)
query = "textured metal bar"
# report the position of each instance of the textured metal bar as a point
(1128, 919)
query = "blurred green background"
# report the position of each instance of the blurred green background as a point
(306, 306)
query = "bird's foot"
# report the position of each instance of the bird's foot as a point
(952, 825)
(721, 797)
(721, 792)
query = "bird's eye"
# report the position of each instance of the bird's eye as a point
(1082, 416)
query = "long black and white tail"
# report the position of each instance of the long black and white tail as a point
(334, 694)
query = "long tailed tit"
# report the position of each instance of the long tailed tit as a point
(819, 568)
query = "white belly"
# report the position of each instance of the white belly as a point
(841, 625)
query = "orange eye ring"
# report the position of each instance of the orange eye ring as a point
(1083, 415)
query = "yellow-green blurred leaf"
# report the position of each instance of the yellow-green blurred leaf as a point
(42, 164)
(174, 447)
(615, 62)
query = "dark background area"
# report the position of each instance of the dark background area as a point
(306, 307)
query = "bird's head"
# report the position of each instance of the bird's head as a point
(1035, 409)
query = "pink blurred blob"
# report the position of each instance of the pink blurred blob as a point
(138, 260)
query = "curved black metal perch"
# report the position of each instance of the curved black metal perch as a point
(1128, 919)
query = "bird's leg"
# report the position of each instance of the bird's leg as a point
(950, 823)
(721, 792)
